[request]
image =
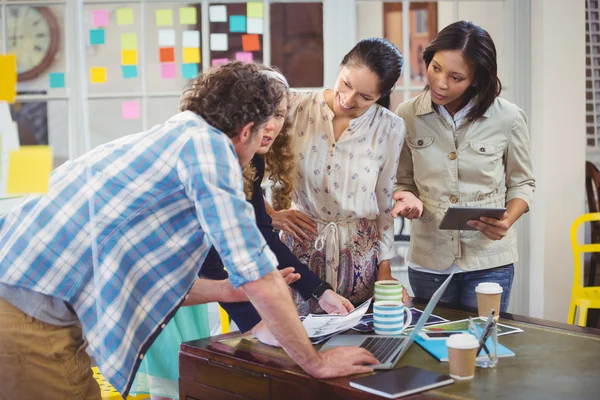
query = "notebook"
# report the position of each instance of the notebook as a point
(401, 382)
(438, 349)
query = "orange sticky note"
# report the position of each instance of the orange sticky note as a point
(250, 43)
(29, 170)
(166, 54)
(129, 57)
(98, 74)
(191, 55)
(8, 77)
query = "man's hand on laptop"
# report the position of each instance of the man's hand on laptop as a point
(341, 361)
(333, 303)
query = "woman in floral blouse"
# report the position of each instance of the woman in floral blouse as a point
(347, 144)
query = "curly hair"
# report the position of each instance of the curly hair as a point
(232, 95)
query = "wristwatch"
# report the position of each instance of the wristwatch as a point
(318, 292)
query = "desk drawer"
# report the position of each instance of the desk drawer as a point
(230, 379)
(194, 391)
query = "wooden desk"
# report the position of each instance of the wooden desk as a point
(553, 361)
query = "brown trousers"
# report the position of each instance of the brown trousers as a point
(42, 361)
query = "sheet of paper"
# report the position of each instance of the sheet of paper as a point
(57, 80)
(96, 36)
(99, 18)
(244, 56)
(219, 42)
(129, 71)
(317, 325)
(189, 71)
(164, 17)
(98, 74)
(191, 55)
(250, 43)
(254, 9)
(237, 23)
(130, 110)
(190, 39)
(254, 25)
(168, 70)
(187, 16)
(129, 57)
(219, 61)
(124, 16)
(29, 169)
(8, 82)
(166, 37)
(129, 41)
(217, 13)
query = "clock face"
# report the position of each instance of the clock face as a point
(31, 34)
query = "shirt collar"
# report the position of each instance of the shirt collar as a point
(425, 105)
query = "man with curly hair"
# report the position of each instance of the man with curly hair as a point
(107, 257)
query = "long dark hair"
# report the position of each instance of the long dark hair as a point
(381, 57)
(479, 51)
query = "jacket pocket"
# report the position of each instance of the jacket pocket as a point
(419, 142)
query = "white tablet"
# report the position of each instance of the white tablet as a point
(456, 218)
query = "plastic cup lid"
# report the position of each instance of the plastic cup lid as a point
(488, 288)
(462, 341)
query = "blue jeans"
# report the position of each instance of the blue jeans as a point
(461, 290)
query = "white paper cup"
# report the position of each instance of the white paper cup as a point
(489, 295)
(462, 350)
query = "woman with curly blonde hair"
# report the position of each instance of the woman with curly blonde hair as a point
(274, 156)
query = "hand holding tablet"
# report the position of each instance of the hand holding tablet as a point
(456, 218)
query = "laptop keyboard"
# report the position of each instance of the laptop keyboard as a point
(382, 347)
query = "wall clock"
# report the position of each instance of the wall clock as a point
(33, 34)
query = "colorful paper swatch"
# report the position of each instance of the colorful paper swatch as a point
(168, 70)
(255, 25)
(219, 61)
(8, 72)
(191, 55)
(130, 110)
(250, 43)
(98, 74)
(128, 41)
(189, 71)
(29, 170)
(99, 18)
(129, 57)
(219, 42)
(254, 9)
(187, 16)
(166, 37)
(124, 16)
(217, 13)
(129, 71)
(164, 17)
(57, 80)
(237, 23)
(244, 56)
(97, 36)
(166, 54)
(190, 39)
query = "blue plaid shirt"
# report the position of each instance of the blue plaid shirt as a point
(123, 231)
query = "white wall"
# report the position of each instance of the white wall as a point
(558, 138)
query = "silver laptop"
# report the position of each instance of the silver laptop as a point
(388, 349)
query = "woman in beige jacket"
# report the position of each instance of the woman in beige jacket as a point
(467, 147)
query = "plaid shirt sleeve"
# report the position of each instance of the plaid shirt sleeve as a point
(211, 174)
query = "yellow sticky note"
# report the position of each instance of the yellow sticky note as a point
(129, 57)
(29, 169)
(128, 41)
(8, 77)
(98, 75)
(254, 9)
(187, 16)
(164, 17)
(191, 55)
(124, 16)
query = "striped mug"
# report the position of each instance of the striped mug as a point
(388, 290)
(388, 317)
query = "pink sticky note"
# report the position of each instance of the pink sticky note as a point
(219, 61)
(130, 110)
(167, 70)
(100, 18)
(244, 56)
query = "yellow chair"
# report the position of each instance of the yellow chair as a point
(224, 317)
(108, 392)
(582, 297)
